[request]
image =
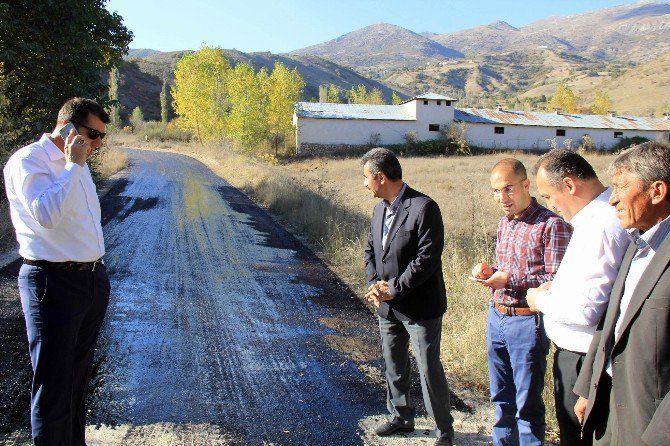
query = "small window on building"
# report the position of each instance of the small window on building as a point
(425, 102)
(447, 103)
(439, 102)
(433, 127)
(618, 134)
(560, 132)
(499, 130)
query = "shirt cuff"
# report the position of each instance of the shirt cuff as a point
(542, 301)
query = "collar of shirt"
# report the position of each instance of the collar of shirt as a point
(527, 213)
(585, 214)
(52, 150)
(652, 238)
(391, 208)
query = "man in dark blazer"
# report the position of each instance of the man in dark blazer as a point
(624, 383)
(404, 273)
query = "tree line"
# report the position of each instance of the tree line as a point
(50, 52)
(216, 100)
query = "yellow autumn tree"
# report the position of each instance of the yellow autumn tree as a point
(334, 94)
(247, 93)
(565, 99)
(376, 97)
(602, 104)
(284, 90)
(396, 99)
(199, 92)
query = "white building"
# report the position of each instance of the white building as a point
(324, 124)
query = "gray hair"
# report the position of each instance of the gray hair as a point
(383, 160)
(649, 162)
(560, 163)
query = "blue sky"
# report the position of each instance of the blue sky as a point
(281, 26)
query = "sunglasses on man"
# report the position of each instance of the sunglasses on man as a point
(92, 133)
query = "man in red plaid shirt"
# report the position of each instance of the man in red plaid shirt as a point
(531, 243)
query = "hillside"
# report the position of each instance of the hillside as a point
(381, 46)
(141, 78)
(636, 32)
(621, 50)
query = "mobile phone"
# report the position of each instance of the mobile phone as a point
(65, 131)
(475, 279)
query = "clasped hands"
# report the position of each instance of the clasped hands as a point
(378, 293)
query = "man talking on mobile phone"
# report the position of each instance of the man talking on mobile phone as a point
(63, 283)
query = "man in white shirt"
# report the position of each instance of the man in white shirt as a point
(575, 300)
(624, 385)
(63, 284)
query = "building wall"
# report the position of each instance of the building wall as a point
(359, 131)
(351, 131)
(539, 138)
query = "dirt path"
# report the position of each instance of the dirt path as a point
(222, 328)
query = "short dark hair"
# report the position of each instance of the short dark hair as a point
(512, 163)
(649, 162)
(78, 109)
(560, 163)
(383, 160)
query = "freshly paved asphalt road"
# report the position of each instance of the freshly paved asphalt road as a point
(222, 329)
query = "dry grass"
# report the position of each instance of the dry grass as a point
(324, 200)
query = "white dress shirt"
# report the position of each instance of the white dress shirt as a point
(53, 204)
(580, 290)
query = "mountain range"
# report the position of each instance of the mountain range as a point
(620, 49)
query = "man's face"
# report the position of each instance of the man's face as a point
(94, 123)
(557, 198)
(632, 201)
(371, 181)
(510, 192)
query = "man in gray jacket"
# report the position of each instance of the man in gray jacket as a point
(624, 383)
(403, 268)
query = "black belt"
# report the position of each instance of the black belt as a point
(72, 266)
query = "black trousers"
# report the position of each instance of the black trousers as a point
(567, 365)
(64, 311)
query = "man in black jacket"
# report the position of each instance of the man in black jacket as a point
(404, 274)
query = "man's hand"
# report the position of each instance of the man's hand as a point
(76, 149)
(378, 293)
(580, 408)
(482, 271)
(497, 281)
(531, 298)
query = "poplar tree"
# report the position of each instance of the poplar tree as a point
(334, 94)
(247, 93)
(199, 93)
(114, 105)
(285, 89)
(565, 99)
(602, 104)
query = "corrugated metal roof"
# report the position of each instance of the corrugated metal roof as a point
(516, 117)
(322, 110)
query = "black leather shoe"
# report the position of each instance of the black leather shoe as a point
(396, 425)
(444, 441)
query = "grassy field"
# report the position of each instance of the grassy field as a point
(324, 201)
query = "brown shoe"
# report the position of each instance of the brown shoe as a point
(396, 425)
